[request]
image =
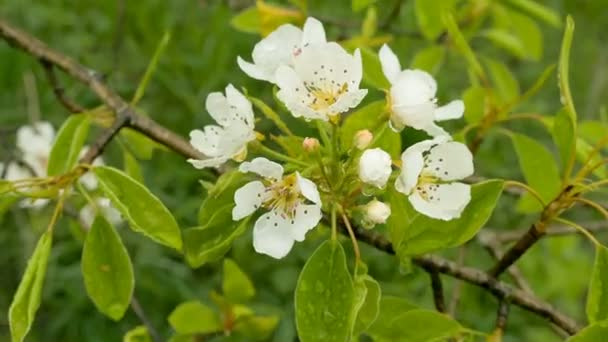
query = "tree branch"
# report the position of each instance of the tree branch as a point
(92, 80)
(437, 288)
(58, 90)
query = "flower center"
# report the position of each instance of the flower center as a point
(325, 95)
(427, 186)
(283, 196)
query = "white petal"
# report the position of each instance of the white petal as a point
(87, 215)
(89, 181)
(36, 139)
(218, 108)
(248, 199)
(308, 189)
(263, 167)
(375, 167)
(356, 69)
(445, 201)
(242, 110)
(413, 87)
(15, 172)
(109, 212)
(307, 217)
(313, 32)
(211, 162)
(272, 236)
(390, 63)
(412, 163)
(452, 110)
(347, 101)
(449, 161)
(435, 131)
(256, 71)
(418, 116)
(207, 141)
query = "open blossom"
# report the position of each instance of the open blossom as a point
(429, 174)
(292, 201)
(412, 97)
(281, 47)
(323, 82)
(228, 139)
(375, 167)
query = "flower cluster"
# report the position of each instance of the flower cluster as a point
(34, 143)
(318, 81)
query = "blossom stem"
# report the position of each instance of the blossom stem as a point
(580, 229)
(353, 238)
(86, 195)
(57, 211)
(277, 155)
(334, 226)
(323, 133)
(527, 188)
(593, 205)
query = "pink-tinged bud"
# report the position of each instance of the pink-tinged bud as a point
(310, 144)
(362, 139)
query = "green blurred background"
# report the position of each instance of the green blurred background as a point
(118, 38)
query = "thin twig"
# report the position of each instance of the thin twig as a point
(141, 314)
(437, 288)
(457, 289)
(59, 91)
(554, 230)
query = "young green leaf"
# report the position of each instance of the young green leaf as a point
(597, 298)
(462, 45)
(537, 10)
(564, 136)
(434, 326)
(583, 150)
(538, 166)
(368, 310)
(236, 285)
(429, 59)
(247, 21)
(505, 40)
(507, 87)
(424, 234)
(131, 166)
(372, 69)
(563, 66)
(428, 15)
(258, 328)
(107, 269)
(358, 5)
(324, 296)
(209, 243)
(143, 84)
(68, 144)
(144, 211)
(23, 309)
(194, 318)
(137, 334)
(475, 103)
(592, 333)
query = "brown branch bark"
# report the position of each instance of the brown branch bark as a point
(92, 80)
(478, 278)
(59, 91)
(437, 288)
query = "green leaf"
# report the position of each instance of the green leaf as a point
(236, 285)
(140, 145)
(23, 309)
(390, 308)
(324, 296)
(368, 309)
(505, 40)
(194, 318)
(258, 328)
(371, 116)
(428, 15)
(592, 131)
(475, 103)
(424, 234)
(429, 59)
(358, 5)
(583, 150)
(538, 166)
(372, 69)
(462, 45)
(137, 334)
(529, 34)
(143, 84)
(507, 87)
(68, 144)
(537, 10)
(593, 333)
(597, 298)
(564, 136)
(563, 66)
(432, 326)
(211, 242)
(107, 270)
(247, 21)
(131, 166)
(145, 213)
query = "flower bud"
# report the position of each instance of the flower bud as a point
(377, 212)
(362, 139)
(310, 144)
(375, 167)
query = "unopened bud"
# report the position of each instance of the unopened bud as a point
(362, 139)
(310, 144)
(377, 212)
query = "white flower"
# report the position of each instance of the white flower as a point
(229, 139)
(105, 208)
(375, 167)
(412, 97)
(323, 82)
(88, 179)
(281, 47)
(377, 212)
(293, 202)
(429, 171)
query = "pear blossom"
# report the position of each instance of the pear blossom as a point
(376, 212)
(104, 207)
(412, 97)
(362, 139)
(323, 82)
(228, 139)
(375, 167)
(429, 177)
(281, 47)
(292, 201)
(310, 144)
